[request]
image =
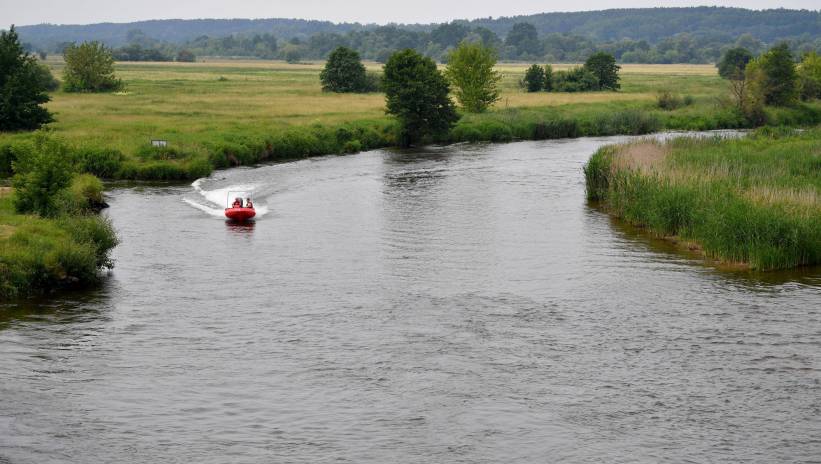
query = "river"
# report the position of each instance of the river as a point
(456, 304)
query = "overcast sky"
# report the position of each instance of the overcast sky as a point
(24, 12)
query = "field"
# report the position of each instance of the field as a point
(753, 202)
(188, 104)
(221, 112)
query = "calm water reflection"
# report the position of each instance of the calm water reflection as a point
(457, 304)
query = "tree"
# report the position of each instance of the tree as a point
(576, 79)
(809, 76)
(524, 38)
(733, 62)
(42, 172)
(534, 79)
(22, 90)
(548, 78)
(89, 68)
(470, 71)
(779, 82)
(293, 56)
(344, 72)
(186, 56)
(603, 66)
(416, 93)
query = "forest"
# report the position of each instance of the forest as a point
(658, 35)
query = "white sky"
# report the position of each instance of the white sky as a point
(25, 12)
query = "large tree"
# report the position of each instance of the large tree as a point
(524, 38)
(779, 81)
(603, 66)
(416, 94)
(470, 70)
(89, 68)
(344, 72)
(22, 89)
(732, 63)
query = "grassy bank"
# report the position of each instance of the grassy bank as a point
(223, 113)
(754, 202)
(40, 255)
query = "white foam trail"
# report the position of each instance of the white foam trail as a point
(219, 198)
(212, 211)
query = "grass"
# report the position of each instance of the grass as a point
(39, 255)
(220, 113)
(755, 201)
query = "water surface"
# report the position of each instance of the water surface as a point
(459, 304)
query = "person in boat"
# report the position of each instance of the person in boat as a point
(248, 203)
(237, 203)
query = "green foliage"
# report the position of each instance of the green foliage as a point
(45, 79)
(743, 201)
(345, 73)
(548, 78)
(186, 56)
(44, 255)
(524, 39)
(777, 80)
(470, 71)
(293, 56)
(89, 68)
(102, 162)
(416, 94)
(603, 66)
(41, 171)
(534, 80)
(670, 101)
(86, 192)
(576, 79)
(22, 87)
(732, 63)
(809, 76)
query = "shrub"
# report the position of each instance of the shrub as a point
(534, 79)
(575, 79)
(42, 171)
(809, 76)
(101, 162)
(186, 56)
(89, 68)
(773, 77)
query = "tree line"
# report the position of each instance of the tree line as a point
(522, 42)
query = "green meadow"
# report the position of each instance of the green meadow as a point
(216, 114)
(752, 203)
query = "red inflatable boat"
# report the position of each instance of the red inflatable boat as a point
(240, 214)
(237, 211)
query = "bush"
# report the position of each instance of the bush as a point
(101, 162)
(809, 76)
(42, 171)
(669, 101)
(576, 79)
(89, 68)
(186, 56)
(85, 193)
(534, 79)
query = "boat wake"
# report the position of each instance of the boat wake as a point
(213, 202)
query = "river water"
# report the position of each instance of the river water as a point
(459, 304)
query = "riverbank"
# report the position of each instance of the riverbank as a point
(753, 202)
(232, 113)
(42, 255)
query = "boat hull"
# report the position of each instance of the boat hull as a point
(240, 214)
